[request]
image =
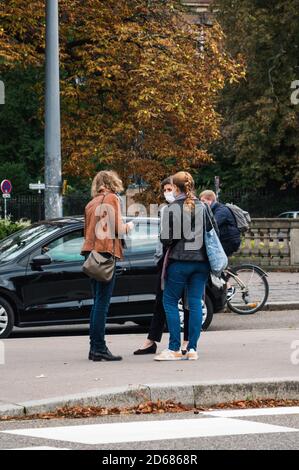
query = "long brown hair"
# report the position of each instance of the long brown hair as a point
(184, 181)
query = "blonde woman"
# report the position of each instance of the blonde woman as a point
(103, 232)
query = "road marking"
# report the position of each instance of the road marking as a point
(287, 410)
(38, 448)
(151, 430)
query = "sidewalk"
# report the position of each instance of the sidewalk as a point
(234, 364)
(283, 288)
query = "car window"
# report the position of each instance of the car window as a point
(20, 241)
(142, 239)
(66, 248)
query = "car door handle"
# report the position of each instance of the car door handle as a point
(120, 270)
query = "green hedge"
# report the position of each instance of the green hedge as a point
(7, 226)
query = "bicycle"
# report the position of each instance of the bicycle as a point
(248, 288)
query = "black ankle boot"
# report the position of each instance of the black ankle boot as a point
(105, 356)
(90, 355)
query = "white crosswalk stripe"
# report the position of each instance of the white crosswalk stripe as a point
(136, 431)
(38, 448)
(246, 412)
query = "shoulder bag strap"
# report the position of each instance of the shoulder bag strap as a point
(113, 253)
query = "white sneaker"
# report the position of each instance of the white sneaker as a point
(192, 355)
(230, 293)
(168, 355)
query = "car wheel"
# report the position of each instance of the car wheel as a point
(207, 313)
(6, 318)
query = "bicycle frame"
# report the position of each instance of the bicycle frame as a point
(243, 286)
(236, 278)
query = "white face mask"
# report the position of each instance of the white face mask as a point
(169, 196)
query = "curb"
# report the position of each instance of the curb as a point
(276, 306)
(194, 394)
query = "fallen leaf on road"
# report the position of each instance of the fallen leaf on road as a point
(150, 407)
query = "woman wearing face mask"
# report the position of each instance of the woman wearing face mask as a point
(182, 234)
(159, 319)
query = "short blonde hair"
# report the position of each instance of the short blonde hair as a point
(208, 194)
(106, 179)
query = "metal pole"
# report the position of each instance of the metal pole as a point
(5, 209)
(53, 197)
(39, 203)
(217, 186)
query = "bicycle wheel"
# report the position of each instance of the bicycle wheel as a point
(248, 289)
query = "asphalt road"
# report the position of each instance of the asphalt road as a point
(194, 432)
(155, 432)
(221, 322)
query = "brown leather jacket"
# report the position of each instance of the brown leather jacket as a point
(103, 225)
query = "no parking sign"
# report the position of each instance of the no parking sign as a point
(6, 187)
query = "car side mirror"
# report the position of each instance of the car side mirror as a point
(40, 260)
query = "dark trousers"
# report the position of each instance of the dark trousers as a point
(159, 318)
(102, 292)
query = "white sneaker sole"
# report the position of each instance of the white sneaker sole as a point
(192, 358)
(168, 359)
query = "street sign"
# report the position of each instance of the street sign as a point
(36, 186)
(6, 187)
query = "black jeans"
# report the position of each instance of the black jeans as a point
(159, 318)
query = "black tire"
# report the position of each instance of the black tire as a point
(210, 313)
(264, 284)
(7, 314)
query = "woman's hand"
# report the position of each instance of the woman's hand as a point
(130, 226)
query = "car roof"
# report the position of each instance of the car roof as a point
(65, 221)
(61, 221)
(289, 212)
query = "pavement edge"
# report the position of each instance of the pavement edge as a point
(194, 394)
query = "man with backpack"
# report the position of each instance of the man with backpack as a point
(230, 234)
(232, 221)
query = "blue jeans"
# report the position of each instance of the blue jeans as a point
(102, 292)
(181, 274)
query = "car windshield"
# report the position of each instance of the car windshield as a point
(18, 242)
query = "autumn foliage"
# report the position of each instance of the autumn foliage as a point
(138, 92)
